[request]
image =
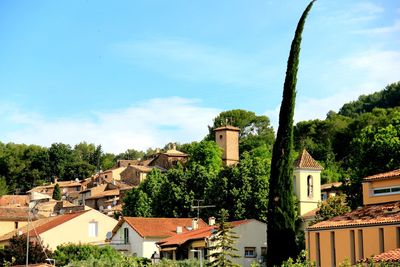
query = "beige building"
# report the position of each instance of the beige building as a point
(135, 174)
(362, 233)
(227, 138)
(138, 236)
(169, 159)
(251, 244)
(88, 226)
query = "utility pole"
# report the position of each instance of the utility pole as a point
(198, 207)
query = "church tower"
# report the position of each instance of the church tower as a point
(307, 182)
(227, 138)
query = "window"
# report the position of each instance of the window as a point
(126, 235)
(381, 240)
(333, 249)
(15, 225)
(263, 251)
(360, 245)
(220, 136)
(317, 245)
(352, 247)
(250, 252)
(294, 184)
(93, 229)
(386, 191)
(310, 186)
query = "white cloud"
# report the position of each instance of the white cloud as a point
(373, 70)
(186, 60)
(151, 123)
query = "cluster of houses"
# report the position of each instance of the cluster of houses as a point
(86, 215)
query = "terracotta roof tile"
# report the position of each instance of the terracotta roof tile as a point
(107, 193)
(227, 127)
(388, 256)
(13, 213)
(305, 161)
(330, 185)
(383, 176)
(14, 200)
(369, 215)
(161, 227)
(179, 239)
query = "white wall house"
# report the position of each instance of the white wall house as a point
(138, 236)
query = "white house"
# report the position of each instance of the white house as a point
(251, 242)
(138, 236)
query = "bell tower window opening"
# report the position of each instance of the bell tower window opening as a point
(310, 186)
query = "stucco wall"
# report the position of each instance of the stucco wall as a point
(229, 142)
(307, 203)
(370, 243)
(369, 198)
(77, 230)
(8, 226)
(252, 234)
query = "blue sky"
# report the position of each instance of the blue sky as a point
(139, 74)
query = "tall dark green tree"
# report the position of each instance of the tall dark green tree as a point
(57, 192)
(281, 213)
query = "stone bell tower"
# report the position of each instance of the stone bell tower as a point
(307, 182)
(227, 138)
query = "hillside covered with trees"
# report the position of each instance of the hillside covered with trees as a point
(361, 139)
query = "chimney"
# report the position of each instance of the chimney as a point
(179, 229)
(195, 224)
(55, 179)
(211, 221)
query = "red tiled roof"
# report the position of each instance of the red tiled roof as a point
(179, 239)
(383, 176)
(13, 214)
(227, 127)
(108, 193)
(331, 185)
(160, 227)
(311, 213)
(387, 213)
(305, 161)
(388, 256)
(14, 200)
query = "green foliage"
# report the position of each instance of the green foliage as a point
(387, 98)
(255, 131)
(108, 260)
(223, 247)
(57, 192)
(15, 251)
(69, 253)
(301, 261)
(130, 154)
(3, 186)
(332, 207)
(281, 214)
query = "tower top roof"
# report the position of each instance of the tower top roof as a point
(305, 161)
(227, 127)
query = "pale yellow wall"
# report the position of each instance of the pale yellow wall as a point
(307, 203)
(8, 226)
(343, 245)
(369, 198)
(77, 230)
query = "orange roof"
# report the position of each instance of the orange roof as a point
(15, 214)
(14, 200)
(305, 161)
(388, 256)
(157, 227)
(56, 222)
(227, 127)
(331, 185)
(179, 239)
(387, 213)
(383, 176)
(108, 193)
(310, 214)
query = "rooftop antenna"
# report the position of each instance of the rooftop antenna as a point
(198, 207)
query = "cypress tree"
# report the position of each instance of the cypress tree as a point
(281, 212)
(57, 192)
